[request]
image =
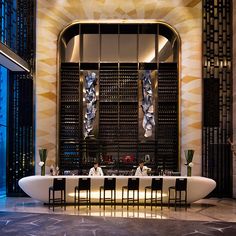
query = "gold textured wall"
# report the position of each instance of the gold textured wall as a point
(183, 15)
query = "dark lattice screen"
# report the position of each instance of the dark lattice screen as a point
(217, 101)
(20, 134)
(26, 30)
(8, 23)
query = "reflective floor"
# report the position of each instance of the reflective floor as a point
(212, 209)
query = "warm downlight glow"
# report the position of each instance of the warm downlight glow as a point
(95, 194)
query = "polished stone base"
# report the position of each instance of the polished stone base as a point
(50, 224)
(212, 209)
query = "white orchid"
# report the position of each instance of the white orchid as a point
(41, 163)
(191, 164)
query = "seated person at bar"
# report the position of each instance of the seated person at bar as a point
(96, 170)
(142, 170)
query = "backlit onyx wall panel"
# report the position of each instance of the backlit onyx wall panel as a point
(217, 83)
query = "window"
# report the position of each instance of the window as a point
(3, 128)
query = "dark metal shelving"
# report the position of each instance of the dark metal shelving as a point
(70, 117)
(167, 117)
(118, 132)
(117, 139)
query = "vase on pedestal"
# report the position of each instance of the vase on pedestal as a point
(43, 157)
(43, 170)
(189, 171)
(189, 158)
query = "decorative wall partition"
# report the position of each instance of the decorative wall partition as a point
(217, 101)
(17, 31)
(20, 161)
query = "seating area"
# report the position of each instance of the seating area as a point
(84, 185)
(180, 186)
(155, 188)
(130, 193)
(59, 185)
(133, 186)
(109, 185)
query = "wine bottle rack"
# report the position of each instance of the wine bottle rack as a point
(128, 89)
(167, 116)
(108, 86)
(128, 121)
(70, 127)
(69, 153)
(117, 143)
(118, 108)
(108, 121)
(118, 102)
(148, 148)
(128, 101)
(90, 148)
(118, 132)
(108, 83)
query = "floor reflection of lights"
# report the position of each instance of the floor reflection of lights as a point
(131, 212)
(212, 209)
(119, 211)
(30, 205)
(96, 194)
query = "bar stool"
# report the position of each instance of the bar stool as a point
(84, 184)
(109, 185)
(180, 186)
(59, 185)
(133, 185)
(156, 187)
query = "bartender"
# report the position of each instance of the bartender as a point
(142, 170)
(96, 170)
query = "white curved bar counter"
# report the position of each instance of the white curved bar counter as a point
(37, 186)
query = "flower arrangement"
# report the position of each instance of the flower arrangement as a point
(43, 157)
(189, 158)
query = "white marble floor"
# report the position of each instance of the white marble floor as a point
(212, 209)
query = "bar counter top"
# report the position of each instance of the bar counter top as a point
(37, 186)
